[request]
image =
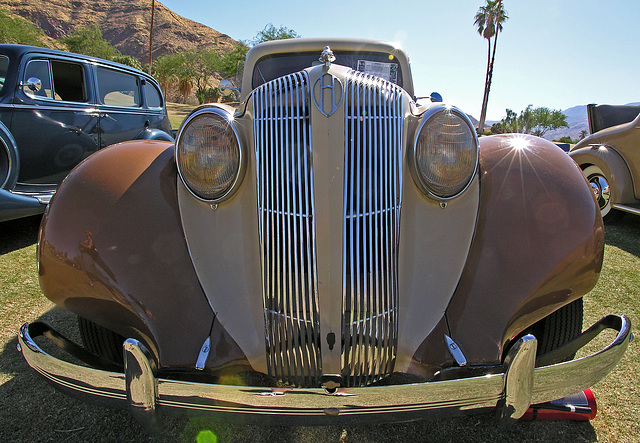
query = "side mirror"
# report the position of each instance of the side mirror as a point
(33, 83)
(227, 88)
(435, 97)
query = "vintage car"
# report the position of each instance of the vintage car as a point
(57, 108)
(610, 158)
(329, 251)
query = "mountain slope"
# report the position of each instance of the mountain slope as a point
(124, 23)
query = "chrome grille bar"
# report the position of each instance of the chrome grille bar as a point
(282, 134)
(372, 201)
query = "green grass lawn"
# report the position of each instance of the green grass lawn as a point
(177, 113)
(31, 410)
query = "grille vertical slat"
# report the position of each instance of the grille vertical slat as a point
(285, 193)
(373, 146)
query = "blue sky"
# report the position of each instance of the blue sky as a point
(553, 53)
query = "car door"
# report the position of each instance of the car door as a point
(55, 122)
(122, 116)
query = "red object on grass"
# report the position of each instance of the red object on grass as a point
(581, 406)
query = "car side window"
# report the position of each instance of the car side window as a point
(117, 88)
(152, 95)
(37, 70)
(4, 68)
(68, 81)
(59, 80)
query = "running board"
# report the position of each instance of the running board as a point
(633, 209)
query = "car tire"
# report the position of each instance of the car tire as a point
(101, 341)
(559, 328)
(600, 185)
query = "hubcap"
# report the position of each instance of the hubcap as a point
(600, 187)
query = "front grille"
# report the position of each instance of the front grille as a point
(285, 210)
(372, 200)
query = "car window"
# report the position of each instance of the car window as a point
(4, 67)
(59, 80)
(68, 81)
(37, 70)
(118, 88)
(152, 95)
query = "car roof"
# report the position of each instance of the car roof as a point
(19, 50)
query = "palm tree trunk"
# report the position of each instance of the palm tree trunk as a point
(485, 95)
(489, 78)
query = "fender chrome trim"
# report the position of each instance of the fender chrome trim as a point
(511, 388)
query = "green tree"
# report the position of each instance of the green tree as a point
(19, 31)
(228, 63)
(270, 32)
(545, 119)
(583, 134)
(535, 121)
(565, 139)
(205, 64)
(127, 60)
(488, 21)
(166, 69)
(89, 41)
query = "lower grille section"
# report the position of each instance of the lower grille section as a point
(372, 200)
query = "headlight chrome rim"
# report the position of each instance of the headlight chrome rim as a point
(230, 188)
(419, 178)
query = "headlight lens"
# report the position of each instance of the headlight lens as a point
(445, 153)
(208, 154)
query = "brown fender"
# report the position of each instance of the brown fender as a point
(539, 244)
(112, 250)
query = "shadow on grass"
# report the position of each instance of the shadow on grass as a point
(32, 410)
(18, 234)
(624, 234)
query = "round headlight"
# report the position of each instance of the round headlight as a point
(208, 154)
(445, 153)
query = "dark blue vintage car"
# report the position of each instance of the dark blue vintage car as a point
(57, 108)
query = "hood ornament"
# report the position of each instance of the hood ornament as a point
(327, 56)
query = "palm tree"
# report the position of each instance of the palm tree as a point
(488, 21)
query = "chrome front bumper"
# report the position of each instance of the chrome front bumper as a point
(511, 388)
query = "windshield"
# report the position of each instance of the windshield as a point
(383, 65)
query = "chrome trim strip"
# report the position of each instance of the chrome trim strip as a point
(43, 198)
(625, 208)
(314, 406)
(282, 139)
(84, 107)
